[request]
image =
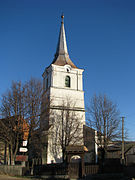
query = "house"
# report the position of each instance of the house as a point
(130, 155)
(114, 149)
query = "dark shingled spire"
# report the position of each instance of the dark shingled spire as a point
(61, 56)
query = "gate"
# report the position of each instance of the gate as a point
(75, 160)
(75, 170)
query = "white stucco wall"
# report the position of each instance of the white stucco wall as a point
(54, 139)
(58, 77)
(60, 94)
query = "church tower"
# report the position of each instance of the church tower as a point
(62, 103)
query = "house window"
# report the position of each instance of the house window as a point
(67, 81)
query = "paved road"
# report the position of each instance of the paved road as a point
(4, 177)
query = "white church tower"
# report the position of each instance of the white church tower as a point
(62, 90)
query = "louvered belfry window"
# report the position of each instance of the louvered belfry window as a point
(67, 81)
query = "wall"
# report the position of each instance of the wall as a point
(13, 170)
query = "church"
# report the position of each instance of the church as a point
(63, 110)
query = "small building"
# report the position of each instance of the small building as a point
(89, 134)
(113, 151)
(130, 156)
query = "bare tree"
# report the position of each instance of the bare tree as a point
(66, 129)
(32, 99)
(19, 103)
(104, 117)
(11, 123)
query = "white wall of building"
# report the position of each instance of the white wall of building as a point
(54, 87)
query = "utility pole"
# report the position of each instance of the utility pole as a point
(122, 140)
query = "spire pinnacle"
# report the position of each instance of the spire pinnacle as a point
(62, 17)
(62, 44)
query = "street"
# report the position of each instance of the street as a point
(5, 177)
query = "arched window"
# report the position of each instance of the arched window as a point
(67, 81)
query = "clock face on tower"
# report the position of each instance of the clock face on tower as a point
(67, 68)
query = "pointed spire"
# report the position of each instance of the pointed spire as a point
(62, 44)
(61, 56)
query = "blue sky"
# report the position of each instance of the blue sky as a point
(100, 38)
